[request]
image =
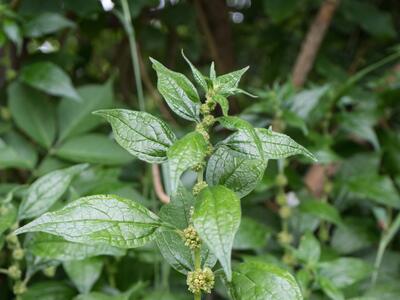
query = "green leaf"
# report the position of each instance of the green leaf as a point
(49, 78)
(223, 102)
(213, 75)
(75, 117)
(179, 93)
(93, 148)
(46, 23)
(376, 22)
(13, 32)
(239, 174)
(373, 187)
(322, 210)
(7, 217)
(280, 10)
(32, 113)
(357, 234)
(226, 84)
(344, 271)
(261, 281)
(251, 235)
(275, 145)
(140, 133)
(49, 290)
(46, 190)
(84, 273)
(184, 154)
(330, 289)
(196, 74)
(99, 219)
(51, 247)
(216, 218)
(16, 152)
(236, 123)
(309, 250)
(170, 243)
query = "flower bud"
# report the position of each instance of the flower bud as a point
(281, 180)
(285, 238)
(12, 239)
(198, 187)
(49, 272)
(19, 288)
(14, 272)
(191, 238)
(18, 254)
(200, 281)
(285, 212)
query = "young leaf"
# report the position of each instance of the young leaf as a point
(75, 117)
(239, 174)
(196, 73)
(140, 133)
(223, 102)
(216, 218)
(309, 250)
(53, 247)
(275, 145)
(33, 113)
(184, 154)
(84, 273)
(179, 93)
(46, 190)
(99, 219)
(213, 75)
(49, 78)
(344, 271)
(170, 243)
(261, 281)
(226, 84)
(93, 148)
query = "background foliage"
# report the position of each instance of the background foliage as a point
(332, 228)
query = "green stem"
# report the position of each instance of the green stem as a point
(197, 266)
(134, 54)
(384, 242)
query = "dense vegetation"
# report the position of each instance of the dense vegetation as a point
(141, 159)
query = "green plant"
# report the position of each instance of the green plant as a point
(197, 228)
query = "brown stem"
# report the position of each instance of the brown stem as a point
(207, 33)
(158, 187)
(312, 42)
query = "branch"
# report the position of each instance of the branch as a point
(312, 42)
(158, 187)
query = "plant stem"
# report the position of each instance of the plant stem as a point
(384, 242)
(197, 266)
(134, 54)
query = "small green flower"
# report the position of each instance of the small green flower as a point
(281, 180)
(191, 238)
(19, 288)
(198, 187)
(14, 272)
(18, 254)
(50, 271)
(200, 281)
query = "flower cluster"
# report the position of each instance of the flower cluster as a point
(200, 281)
